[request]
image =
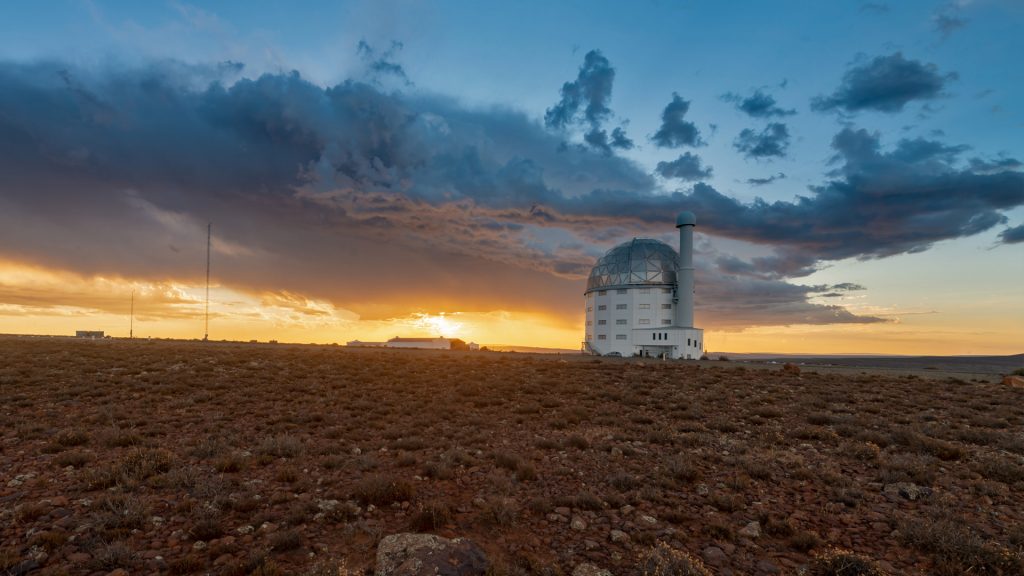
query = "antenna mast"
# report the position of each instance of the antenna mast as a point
(131, 322)
(206, 329)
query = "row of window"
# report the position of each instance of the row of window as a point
(656, 336)
(626, 307)
(624, 322)
(626, 290)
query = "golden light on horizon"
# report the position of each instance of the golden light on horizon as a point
(40, 300)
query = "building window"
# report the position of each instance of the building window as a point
(589, 337)
(644, 321)
(602, 292)
(590, 308)
(688, 342)
(653, 336)
(666, 322)
(602, 322)
(666, 306)
(645, 306)
(620, 322)
(620, 336)
(620, 306)
(645, 290)
(602, 337)
(590, 322)
(621, 291)
(602, 307)
(666, 290)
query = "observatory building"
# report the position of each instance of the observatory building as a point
(639, 299)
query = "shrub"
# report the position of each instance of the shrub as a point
(73, 458)
(431, 516)
(957, 548)
(804, 541)
(837, 562)
(1001, 468)
(280, 447)
(578, 442)
(285, 540)
(383, 490)
(663, 560)
(683, 470)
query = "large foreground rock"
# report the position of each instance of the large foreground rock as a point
(429, 555)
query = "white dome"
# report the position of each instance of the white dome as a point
(639, 262)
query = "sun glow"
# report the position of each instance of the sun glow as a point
(440, 324)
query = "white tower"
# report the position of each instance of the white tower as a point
(685, 222)
(639, 299)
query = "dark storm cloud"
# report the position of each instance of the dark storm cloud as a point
(1013, 235)
(687, 167)
(885, 84)
(772, 142)
(621, 141)
(675, 130)
(590, 93)
(980, 166)
(758, 105)
(347, 192)
(767, 180)
(877, 203)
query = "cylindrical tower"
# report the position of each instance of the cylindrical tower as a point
(685, 222)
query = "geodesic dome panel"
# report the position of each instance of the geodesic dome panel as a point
(641, 261)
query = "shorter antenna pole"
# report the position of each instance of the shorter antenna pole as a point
(131, 322)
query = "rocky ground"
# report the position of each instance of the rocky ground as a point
(179, 458)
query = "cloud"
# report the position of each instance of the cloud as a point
(675, 131)
(381, 65)
(885, 84)
(757, 105)
(346, 193)
(981, 166)
(687, 167)
(771, 142)
(946, 23)
(590, 94)
(874, 7)
(766, 180)
(877, 203)
(1014, 235)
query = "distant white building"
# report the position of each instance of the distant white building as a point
(639, 299)
(439, 343)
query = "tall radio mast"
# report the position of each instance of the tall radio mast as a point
(206, 329)
(131, 321)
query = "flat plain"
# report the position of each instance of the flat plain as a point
(186, 457)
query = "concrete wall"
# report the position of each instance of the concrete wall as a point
(610, 329)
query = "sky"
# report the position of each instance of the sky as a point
(383, 168)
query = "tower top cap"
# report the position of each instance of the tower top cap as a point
(686, 219)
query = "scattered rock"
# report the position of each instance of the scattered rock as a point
(648, 520)
(751, 530)
(429, 555)
(618, 536)
(714, 555)
(768, 567)
(577, 524)
(589, 570)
